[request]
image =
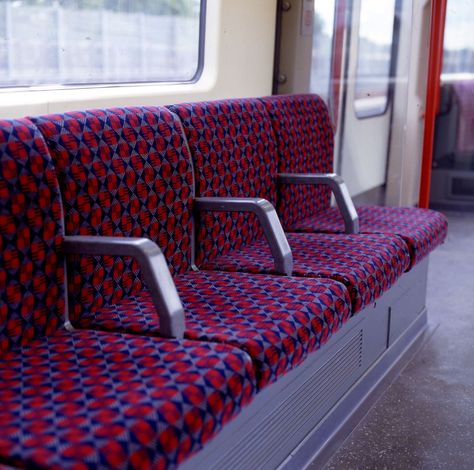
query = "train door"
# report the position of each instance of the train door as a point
(452, 177)
(371, 58)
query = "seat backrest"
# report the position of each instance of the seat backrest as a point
(123, 172)
(234, 155)
(31, 234)
(305, 141)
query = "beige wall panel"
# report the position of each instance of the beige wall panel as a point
(238, 63)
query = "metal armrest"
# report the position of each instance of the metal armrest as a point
(268, 218)
(339, 189)
(154, 269)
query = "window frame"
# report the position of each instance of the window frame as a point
(327, 94)
(136, 84)
(391, 71)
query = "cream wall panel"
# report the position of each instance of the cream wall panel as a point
(238, 63)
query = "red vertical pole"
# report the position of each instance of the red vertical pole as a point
(435, 62)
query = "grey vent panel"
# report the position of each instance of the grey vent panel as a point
(299, 413)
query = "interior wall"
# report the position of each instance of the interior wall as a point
(295, 49)
(238, 62)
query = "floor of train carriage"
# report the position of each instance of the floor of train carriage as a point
(425, 420)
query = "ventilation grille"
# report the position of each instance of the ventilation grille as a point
(299, 413)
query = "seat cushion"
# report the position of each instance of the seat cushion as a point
(276, 320)
(100, 400)
(368, 265)
(421, 229)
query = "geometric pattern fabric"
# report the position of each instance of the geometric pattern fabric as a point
(88, 399)
(123, 172)
(98, 400)
(128, 172)
(117, 168)
(234, 155)
(277, 320)
(368, 265)
(421, 229)
(227, 139)
(305, 141)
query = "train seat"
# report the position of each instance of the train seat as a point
(304, 137)
(85, 399)
(368, 267)
(277, 321)
(234, 154)
(127, 172)
(91, 399)
(421, 229)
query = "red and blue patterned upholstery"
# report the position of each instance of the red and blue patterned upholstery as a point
(291, 309)
(278, 321)
(304, 135)
(31, 269)
(305, 141)
(234, 154)
(89, 400)
(368, 265)
(122, 172)
(214, 129)
(421, 229)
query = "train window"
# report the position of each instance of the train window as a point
(96, 42)
(322, 47)
(458, 57)
(374, 57)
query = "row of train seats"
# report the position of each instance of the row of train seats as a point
(132, 356)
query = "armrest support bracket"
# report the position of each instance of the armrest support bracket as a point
(339, 189)
(268, 218)
(154, 269)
